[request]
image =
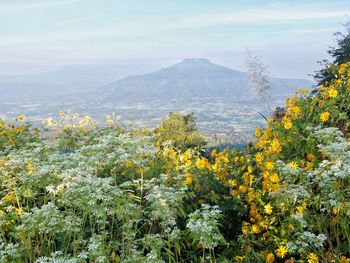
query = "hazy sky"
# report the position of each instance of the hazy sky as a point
(39, 35)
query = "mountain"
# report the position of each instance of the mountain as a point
(66, 80)
(191, 78)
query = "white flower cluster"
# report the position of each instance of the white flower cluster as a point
(204, 226)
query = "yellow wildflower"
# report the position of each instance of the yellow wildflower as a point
(310, 156)
(324, 116)
(296, 111)
(259, 158)
(335, 210)
(242, 188)
(287, 123)
(300, 210)
(20, 211)
(332, 93)
(10, 197)
(270, 258)
(233, 182)
(274, 178)
(109, 119)
(202, 163)
(255, 229)
(268, 209)
(309, 166)
(281, 251)
(312, 258)
(2, 212)
(235, 193)
(250, 169)
(293, 165)
(188, 178)
(257, 132)
(344, 259)
(20, 118)
(239, 258)
(245, 228)
(290, 260)
(275, 146)
(269, 166)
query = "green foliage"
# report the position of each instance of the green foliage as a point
(180, 130)
(340, 54)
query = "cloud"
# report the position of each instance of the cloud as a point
(253, 16)
(145, 28)
(25, 5)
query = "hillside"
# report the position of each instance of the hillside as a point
(66, 80)
(81, 192)
(191, 78)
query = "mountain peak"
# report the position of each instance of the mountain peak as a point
(195, 60)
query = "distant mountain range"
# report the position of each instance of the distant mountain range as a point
(191, 78)
(143, 95)
(66, 80)
(130, 83)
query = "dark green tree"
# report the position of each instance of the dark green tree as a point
(340, 53)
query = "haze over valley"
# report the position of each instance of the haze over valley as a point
(220, 97)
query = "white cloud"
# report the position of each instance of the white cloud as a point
(24, 5)
(254, 16)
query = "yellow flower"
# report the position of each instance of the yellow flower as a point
(250, 169)
(300, 210)
(293, 165)
(239, 258)
(233, 182)
(332, 93)
(2, 212)
(344, 259)
(242, 188)
(20, 211)
(291, 260)
(269, 166)
(281, 251)
(109, 119)
(268, 209)
(257, 132)
(312, 258)
(20, 118)
(270, 258)
(287, 123)
(335, 210)
(324, 116)
(309, 166)
(202, 163)
(255, 229)
(310, 156)
(296, 111)
(10, 197)
(188, 178)
(245, 228)
(235, 193)
(275, 146)
(259, 158)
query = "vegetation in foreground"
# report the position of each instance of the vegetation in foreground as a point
(79, 192)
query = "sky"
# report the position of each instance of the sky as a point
(290, 36)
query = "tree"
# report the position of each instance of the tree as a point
(180, 130)
(340, 53)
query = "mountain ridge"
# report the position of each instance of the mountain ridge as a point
(190, 78)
